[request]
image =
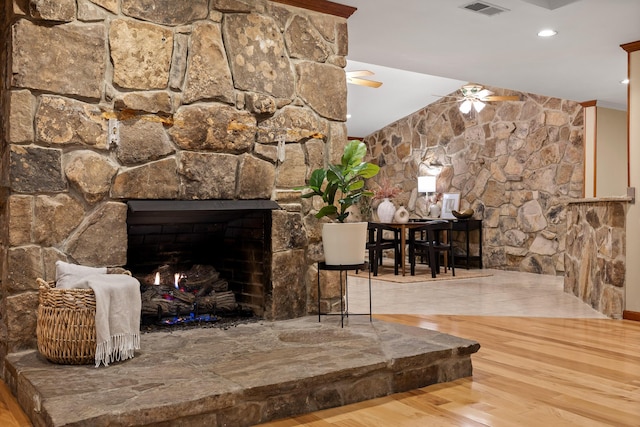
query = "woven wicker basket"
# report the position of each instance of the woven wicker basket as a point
(66, 325)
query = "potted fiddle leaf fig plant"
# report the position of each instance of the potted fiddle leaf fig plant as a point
(341, 186)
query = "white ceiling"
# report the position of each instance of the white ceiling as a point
(408, 42)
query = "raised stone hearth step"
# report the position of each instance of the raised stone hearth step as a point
(241, 376)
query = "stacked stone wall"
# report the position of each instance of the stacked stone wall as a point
(212, 99)
(515, 163)
(595, 258)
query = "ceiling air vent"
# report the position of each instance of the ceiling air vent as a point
(485, 8)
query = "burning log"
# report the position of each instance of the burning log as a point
(206, 304)
(201, 275)
(152, 302)
(163, 275)
(184, 296)
(225, 301)
(200, 289)
(219, 285)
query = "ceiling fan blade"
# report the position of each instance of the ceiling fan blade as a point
(449, 96)
(359, 73)
(483, 94)
(363, 82)
(501, 98)
(448, 102)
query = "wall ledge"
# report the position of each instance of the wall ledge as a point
(323, 6)
(600, 200)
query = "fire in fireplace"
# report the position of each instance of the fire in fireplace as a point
(196, 295)
(198, 261)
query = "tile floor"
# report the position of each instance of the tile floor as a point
(505, 293)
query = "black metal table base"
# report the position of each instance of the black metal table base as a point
(344, 302)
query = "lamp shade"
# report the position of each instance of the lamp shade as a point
(426, 184)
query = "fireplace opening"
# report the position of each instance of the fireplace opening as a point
(200, 262)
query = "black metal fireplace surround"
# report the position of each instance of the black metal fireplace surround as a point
(167, 239)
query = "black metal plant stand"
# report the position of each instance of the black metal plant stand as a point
(344, 303)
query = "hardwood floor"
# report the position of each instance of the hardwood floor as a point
(11, 414)
(529, 372)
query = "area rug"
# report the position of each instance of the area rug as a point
(423, 274)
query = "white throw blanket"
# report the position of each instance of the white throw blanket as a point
(118, 307)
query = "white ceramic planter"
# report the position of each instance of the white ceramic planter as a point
(344, 243)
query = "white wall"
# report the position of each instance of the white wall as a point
(610, 153)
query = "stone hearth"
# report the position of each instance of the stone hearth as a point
(241, 376)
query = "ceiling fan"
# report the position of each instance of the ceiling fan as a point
(475, 96)
(353, 77)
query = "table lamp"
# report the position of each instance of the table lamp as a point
(427, 184)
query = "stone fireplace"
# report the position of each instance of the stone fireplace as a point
(108, 102)
(214, 255)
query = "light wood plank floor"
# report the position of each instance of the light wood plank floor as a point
(11, 414)
(529, 372)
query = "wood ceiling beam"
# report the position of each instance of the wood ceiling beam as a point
(323, 6)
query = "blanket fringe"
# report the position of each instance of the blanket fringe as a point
(117, 348)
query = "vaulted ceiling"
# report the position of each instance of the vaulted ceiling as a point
(420, 49)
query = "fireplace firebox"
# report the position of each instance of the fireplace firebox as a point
(200, 259)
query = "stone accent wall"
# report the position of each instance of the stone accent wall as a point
(595, 259)
(515, 163)
(202, 93)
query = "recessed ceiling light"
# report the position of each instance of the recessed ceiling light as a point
(625, 81)
(348, 116)
(547, 33)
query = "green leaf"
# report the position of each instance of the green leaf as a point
(327, 211)
(354, 152)
(370, 170)
(317, 178)
(344, 180)
(356, 185)
(335, 174)
(330, 191)
(341, 217)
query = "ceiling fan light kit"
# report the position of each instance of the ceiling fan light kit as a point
(475, 96)
(472, 90)
(478, 105)
(465, 107)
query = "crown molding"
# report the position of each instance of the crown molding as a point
(587, 104)
(631, 47)
(323, 6)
